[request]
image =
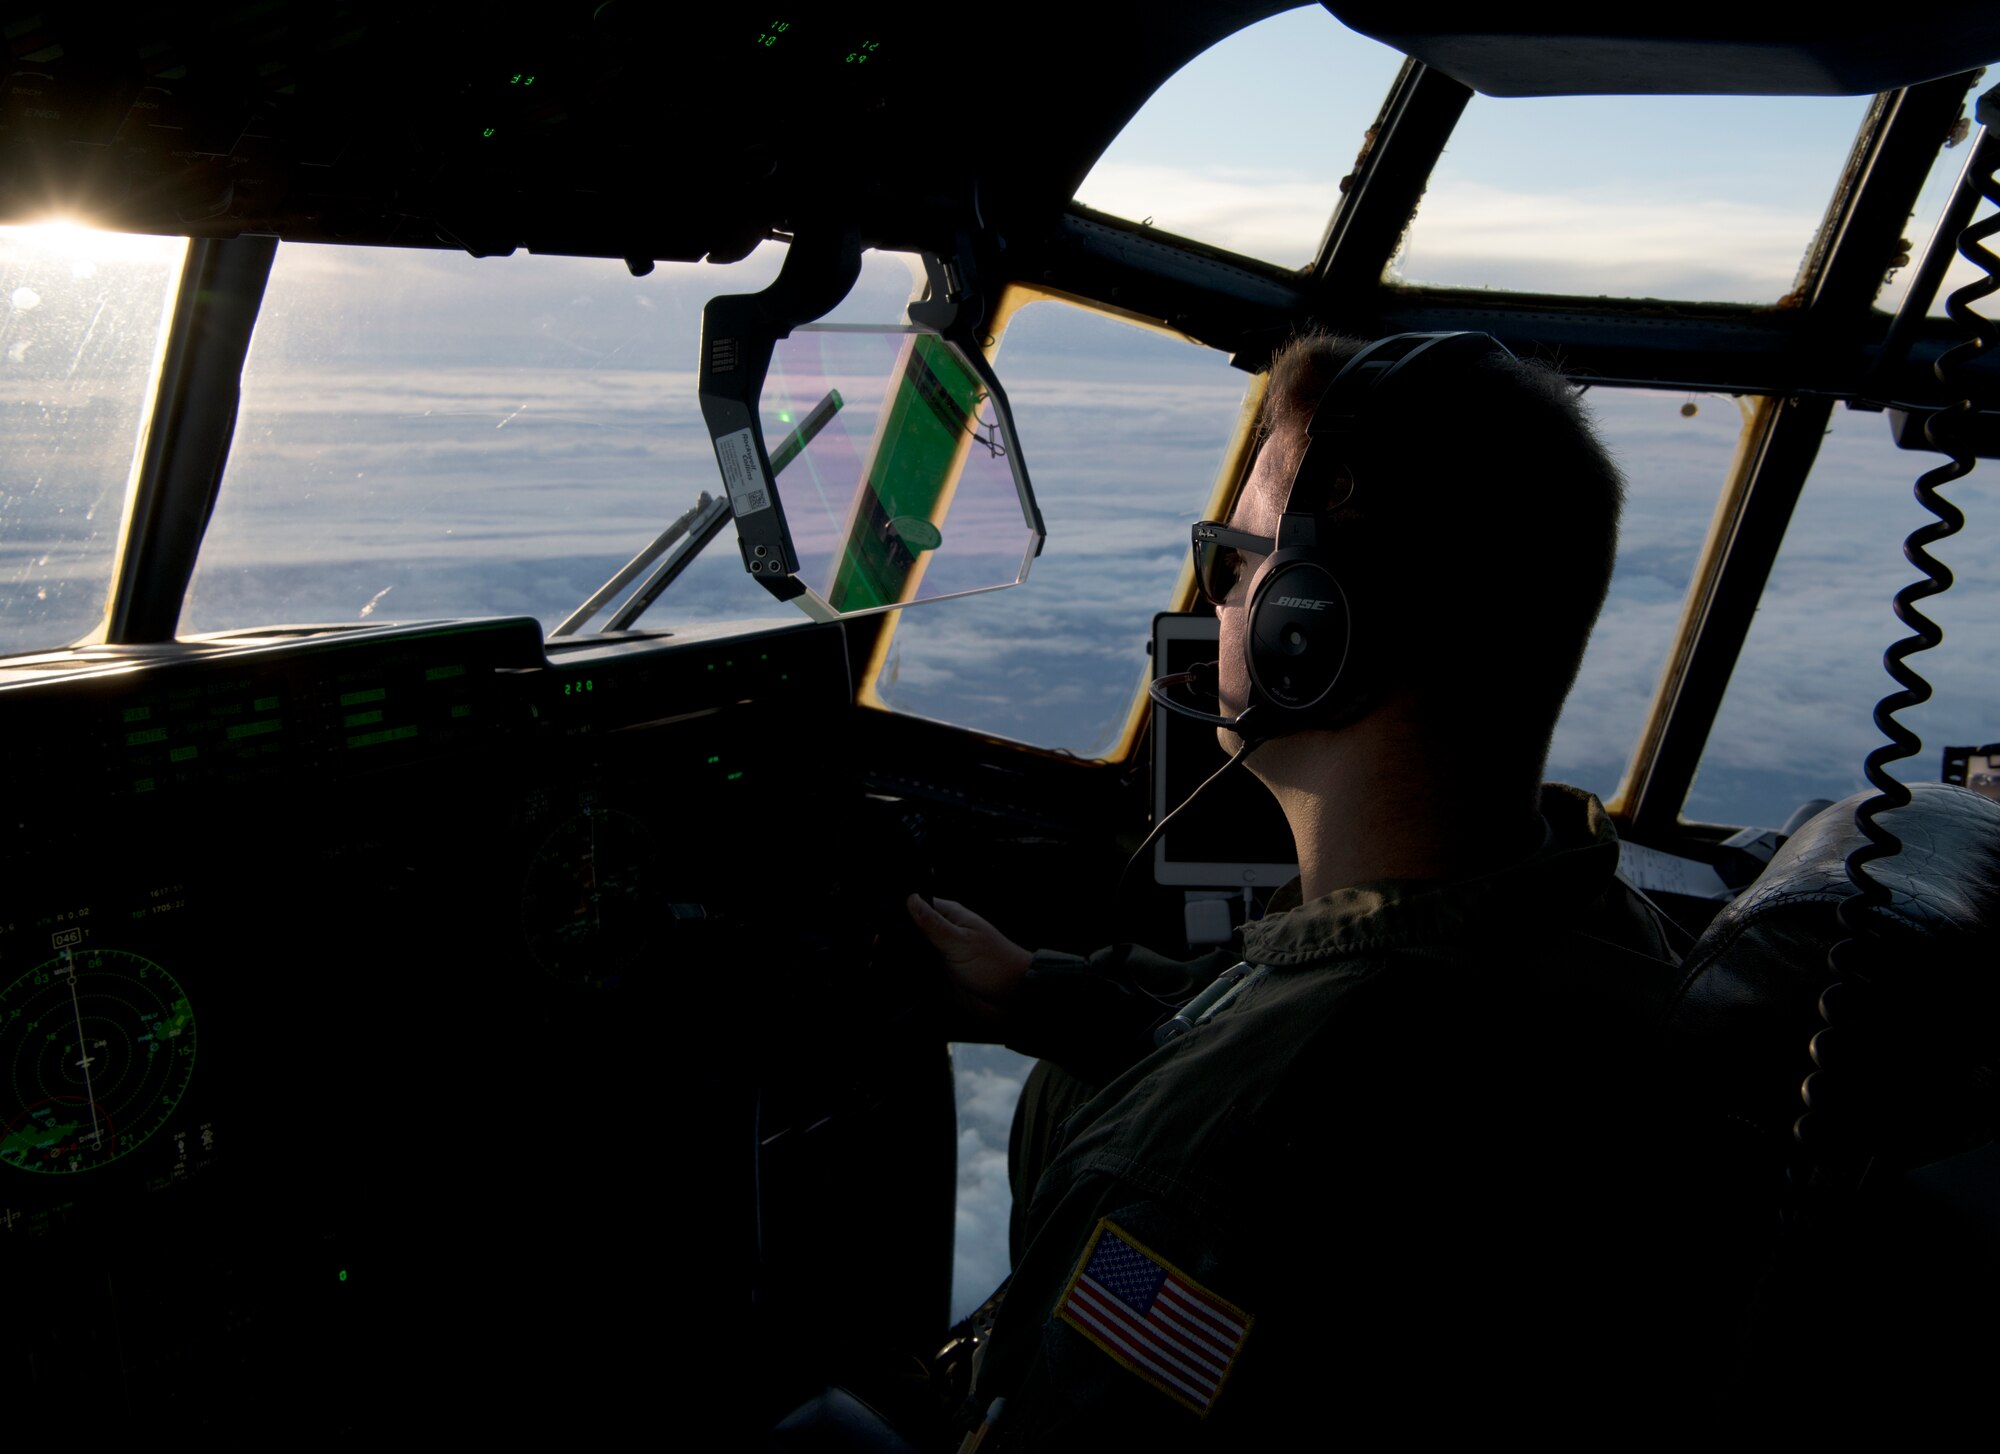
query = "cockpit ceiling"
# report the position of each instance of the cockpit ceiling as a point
(620, 128)
(631, 129)
(1586, 48)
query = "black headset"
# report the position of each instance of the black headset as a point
(1320, 625)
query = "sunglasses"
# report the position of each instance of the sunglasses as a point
(1220, 557)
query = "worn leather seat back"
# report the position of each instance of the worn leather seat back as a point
(1747, 1003)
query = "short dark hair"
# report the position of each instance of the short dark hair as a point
(1492, 509)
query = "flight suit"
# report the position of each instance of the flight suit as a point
(1401, 1174)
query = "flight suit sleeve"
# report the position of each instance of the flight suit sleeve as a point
(1094, 1016)
(1120, 1334)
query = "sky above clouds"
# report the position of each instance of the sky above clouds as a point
(428, 435)
(1684, 197)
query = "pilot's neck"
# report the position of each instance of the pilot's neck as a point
(1369, 802)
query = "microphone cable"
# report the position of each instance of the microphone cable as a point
(1125, 875)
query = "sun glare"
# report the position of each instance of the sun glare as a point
(85, 247)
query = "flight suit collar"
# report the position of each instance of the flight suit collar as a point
(1576, 863)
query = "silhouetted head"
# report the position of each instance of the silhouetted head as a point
(1481, 511)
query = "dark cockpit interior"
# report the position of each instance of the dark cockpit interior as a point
(499, 1020)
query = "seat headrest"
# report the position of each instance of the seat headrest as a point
(1747, 1002)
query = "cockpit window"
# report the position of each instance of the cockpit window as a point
(1245, 146)
(1125, 429)
(83, 315)
(426, 434)
(1797, 719)
(1674, 451)
(1706, 198)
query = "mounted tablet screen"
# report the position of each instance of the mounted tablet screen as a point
(1235, 834)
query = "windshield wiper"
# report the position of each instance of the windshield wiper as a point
(687, 537)
(794, 444)
(699, 525)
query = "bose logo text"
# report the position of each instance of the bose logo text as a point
(1302, 602)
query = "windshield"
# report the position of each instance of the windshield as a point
(426, 434)
(82, 318)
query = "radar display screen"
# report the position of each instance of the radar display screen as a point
(97, 1047)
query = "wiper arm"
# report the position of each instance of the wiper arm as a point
(708, 522)
(699, 525)
(705, 518)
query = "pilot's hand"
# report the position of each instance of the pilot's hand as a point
(986, 967)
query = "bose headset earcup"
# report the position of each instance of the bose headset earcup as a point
(1316, 622)
(1300, 629)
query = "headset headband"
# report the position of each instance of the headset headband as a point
(1340, 415)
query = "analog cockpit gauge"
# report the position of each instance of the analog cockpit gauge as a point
(588, 904)
(96, 1050)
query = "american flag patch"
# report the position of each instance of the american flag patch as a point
(1153, 1318)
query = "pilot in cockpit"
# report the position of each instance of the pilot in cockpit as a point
(1377, 1160)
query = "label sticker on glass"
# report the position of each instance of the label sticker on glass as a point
(737, 454)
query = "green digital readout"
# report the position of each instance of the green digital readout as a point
(768, 36)
(190, 734)
(387, 734)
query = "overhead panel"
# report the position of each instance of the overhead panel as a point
(615, 128)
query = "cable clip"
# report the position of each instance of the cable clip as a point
(1225, 987)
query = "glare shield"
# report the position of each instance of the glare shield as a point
(895, 466)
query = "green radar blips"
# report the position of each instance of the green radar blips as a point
(97, 1047)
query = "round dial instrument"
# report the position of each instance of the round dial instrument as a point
(588, 904)
(96, 1049)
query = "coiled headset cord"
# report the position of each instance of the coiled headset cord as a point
(1842, 1152)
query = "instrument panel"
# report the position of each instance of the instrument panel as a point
(336, 972)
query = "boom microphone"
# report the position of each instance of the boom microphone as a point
(1205, 678)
